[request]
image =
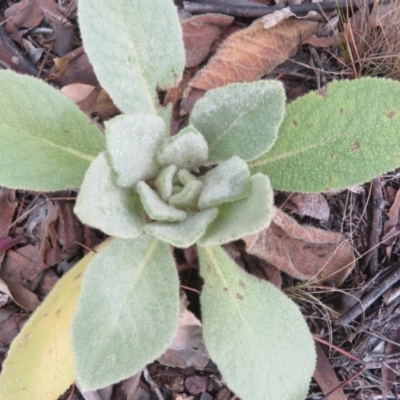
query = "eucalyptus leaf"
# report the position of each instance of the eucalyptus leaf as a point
(188, 149)
(241, 119)
(346, 135)
(132, 141)
(104, 205)
(46, 143)
(155, 207)
(243, 217)
(229, 181)
(257, 336)
(182, 234)
(130, 51)
(127, 312)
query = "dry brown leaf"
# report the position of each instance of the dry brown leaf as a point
(271, 20)
(187, 348)
(304, 252)
(311, 204)
(91, 99)
(199, 33)
(20, 295)
(29, 13)
(321, 42)
(74, 67)
(8, 204)
(326, 377)
(249, 54)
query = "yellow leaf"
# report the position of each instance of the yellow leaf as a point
(39, 365)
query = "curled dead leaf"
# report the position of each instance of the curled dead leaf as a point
(304, 252)
(199, 33)
(187, 348)
(248, 54)
(29, 13)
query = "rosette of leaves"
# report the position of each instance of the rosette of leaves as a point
(206, 186)
(149, 182)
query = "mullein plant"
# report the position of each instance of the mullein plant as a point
(206, 186)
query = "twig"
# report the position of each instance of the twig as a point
(370, 297)
(153, 385)
(261, 10)
(371, 258)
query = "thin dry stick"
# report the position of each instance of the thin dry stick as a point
(368, 299)
(261, 10)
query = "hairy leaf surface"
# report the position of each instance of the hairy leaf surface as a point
(240, 119)
(46, 142)
(182, 234)
(132, 142)
(104, 205)
(145, 49)
(127, 313)
(187, 149)
(249, 325)
(346, 135)
(229, 181)
(242, 217)
(39, 365)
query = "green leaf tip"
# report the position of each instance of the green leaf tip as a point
(242, 217)
(347, 135)
(46, 144)
(132, 141)
(127, 312)
(249, 325)
(241, 119)
(130, 51)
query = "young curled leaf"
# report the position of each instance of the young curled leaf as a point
(104, 205)
(187, 149)
(242, 217)
(182, 234)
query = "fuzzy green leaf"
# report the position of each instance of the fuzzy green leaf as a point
(188, 196)
(164, 181)
(182, 234)
(348, 135)
(132, 141)
(155, 207)
(229, 181)
(188, 149)
(130, 51)
(243, 217)
(127, 312)
(105, 206)
(241, 119)
(46, 142)
(249, 325)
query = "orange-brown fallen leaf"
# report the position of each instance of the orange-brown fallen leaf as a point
(91, 99)
(249, 54)
(304, 252)
(199, 33)
(29, 13)
(326, 377)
